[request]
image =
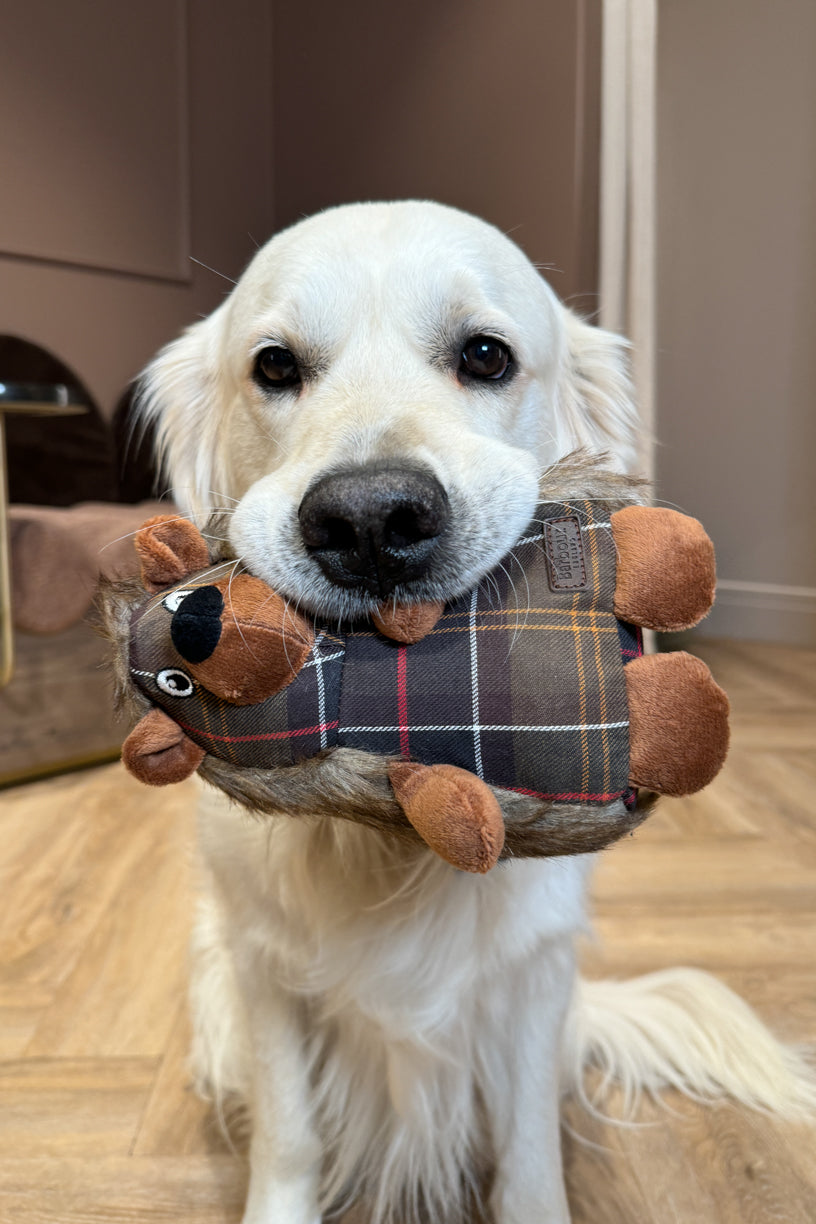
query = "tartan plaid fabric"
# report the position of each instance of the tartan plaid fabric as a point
(520, 682)
(295, 723)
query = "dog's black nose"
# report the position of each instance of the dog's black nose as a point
(375, 526)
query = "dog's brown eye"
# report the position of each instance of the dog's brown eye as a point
(483, 357)
(276, 367)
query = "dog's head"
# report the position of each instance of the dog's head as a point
(376, 402)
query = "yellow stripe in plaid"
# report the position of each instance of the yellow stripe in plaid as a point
(593, 548)
(582, 698)
(570, 628)
(582, 693)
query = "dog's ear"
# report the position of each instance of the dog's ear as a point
(169, 548)
(180, 396)
(595, 398)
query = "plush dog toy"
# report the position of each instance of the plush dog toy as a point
(534, 684)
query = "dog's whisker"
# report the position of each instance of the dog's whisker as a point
(214, 271)
(506, 573)
(226, 497)
(211, 570)
(287, 611)
(276, 441)
(177, 518)
(238, 561)
(527, 607)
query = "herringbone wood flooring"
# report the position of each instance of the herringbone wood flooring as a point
(97, 1123)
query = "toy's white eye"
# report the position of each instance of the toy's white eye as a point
(175, 682)
(172, 601)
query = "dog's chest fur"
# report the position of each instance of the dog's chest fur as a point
(403, 970)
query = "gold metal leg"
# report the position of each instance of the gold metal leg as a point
(34, 399)
(6, 626)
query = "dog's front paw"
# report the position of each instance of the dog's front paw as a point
(281, 1201)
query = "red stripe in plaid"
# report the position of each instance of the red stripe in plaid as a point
(576, 796)
(402, 699)
(267, 735)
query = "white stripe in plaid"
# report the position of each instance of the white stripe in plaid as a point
(321, 691)
(474, 683)
(606, 726)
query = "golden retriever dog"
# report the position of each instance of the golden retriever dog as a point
(376, 406)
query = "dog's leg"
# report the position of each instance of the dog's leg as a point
(284, 1156)
(524, 1114)
(249, 1038)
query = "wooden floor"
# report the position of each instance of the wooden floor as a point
(97, 1123)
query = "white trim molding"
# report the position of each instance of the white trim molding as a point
(764, 611)
(628, 193)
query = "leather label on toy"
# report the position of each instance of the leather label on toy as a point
(566, 566)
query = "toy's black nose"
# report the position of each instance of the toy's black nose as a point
(196, 625)
(375, 526)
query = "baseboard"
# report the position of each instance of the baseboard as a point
(764, 612)
(35, 773)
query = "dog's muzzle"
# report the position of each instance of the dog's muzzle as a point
(374, 527)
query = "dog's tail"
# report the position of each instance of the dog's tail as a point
(683, 1029)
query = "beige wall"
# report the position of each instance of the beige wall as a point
(737, 299)
(490, 107)
(132, 136)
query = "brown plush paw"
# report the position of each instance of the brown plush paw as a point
(453, 811)
(678, 723)
(407, 622)
(158, 752)
(666, 573)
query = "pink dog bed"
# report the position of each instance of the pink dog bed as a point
(58, 555)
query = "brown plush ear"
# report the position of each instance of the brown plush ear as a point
(407, 622)
(169, 548)
(158, 752)
(666, 573)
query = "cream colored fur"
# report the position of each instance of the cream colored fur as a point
(399, 1031)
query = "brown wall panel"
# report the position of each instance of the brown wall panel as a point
(95, 142)
(106, 208)
(489, 107)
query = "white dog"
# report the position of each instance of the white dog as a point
(401, 1032)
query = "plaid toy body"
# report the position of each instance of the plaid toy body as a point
(520, 685)
(521, 682)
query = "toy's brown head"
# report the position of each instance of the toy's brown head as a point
(237, 637)
(229, 633)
